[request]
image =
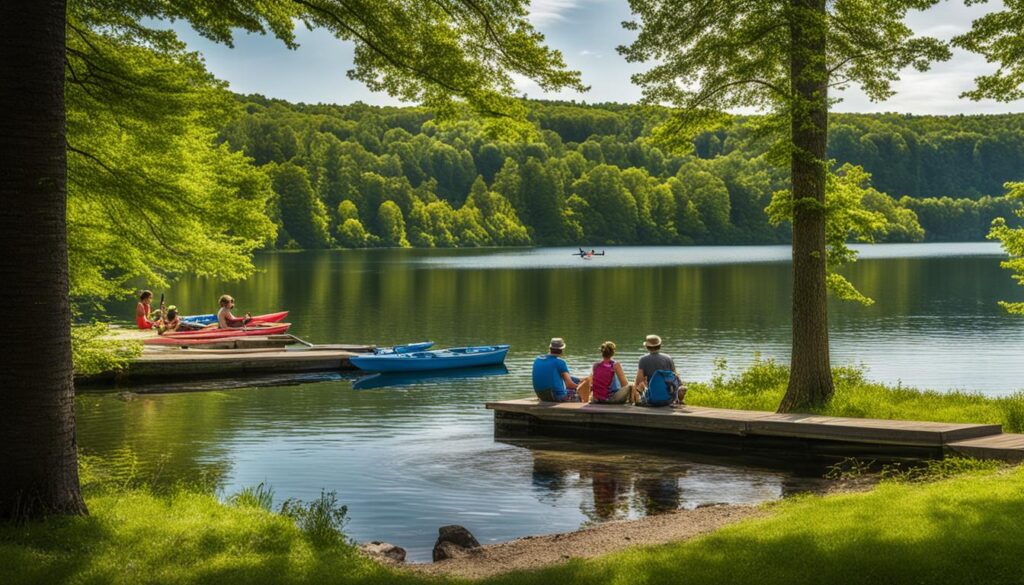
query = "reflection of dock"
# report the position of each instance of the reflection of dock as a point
(794, 435)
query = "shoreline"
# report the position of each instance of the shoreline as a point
(536, 552)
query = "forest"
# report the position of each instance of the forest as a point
(363, 176)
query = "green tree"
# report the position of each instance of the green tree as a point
(1012, 241)
(352, 234)
(783, 57)
(711, 197)
(498, 217)
(303, 215)
(612, 216)
(434, 53)
(391, 225)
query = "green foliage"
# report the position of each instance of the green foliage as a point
(150, 193)
(303, 215)
(260, 496)
(997, 36)
(95, 350)
(935, 470)
(762, 384)
(368, 155)
(846, 219)
(1012, 241)
(322, 520)
(610, 214)
(740, 56)
(391, 225)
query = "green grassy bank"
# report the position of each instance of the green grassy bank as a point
(965, 529)
(761, 386)
(960, 529)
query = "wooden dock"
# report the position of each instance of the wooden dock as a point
(183, 364)
(792, 435)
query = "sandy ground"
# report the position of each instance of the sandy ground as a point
(534, 552)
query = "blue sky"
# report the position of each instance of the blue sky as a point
(587, 32)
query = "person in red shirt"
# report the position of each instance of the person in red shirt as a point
(142, 318)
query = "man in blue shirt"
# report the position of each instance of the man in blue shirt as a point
(552, 381)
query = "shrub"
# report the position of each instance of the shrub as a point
(322, 520)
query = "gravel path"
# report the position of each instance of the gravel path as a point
(534, 552)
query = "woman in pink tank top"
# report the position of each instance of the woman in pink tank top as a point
(606, 373)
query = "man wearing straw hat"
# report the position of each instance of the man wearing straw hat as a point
(652, 362)
(552, 381)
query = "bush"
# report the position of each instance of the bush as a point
(94, 351)
(322, 520)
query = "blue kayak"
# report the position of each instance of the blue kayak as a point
(440, 359)
(209, 319)
(407, 348)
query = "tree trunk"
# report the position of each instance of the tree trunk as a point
(810, 375)
(38, 453)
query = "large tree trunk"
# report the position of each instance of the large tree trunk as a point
(38, 454)
(810, 375)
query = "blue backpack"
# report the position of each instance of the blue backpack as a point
(662, 389)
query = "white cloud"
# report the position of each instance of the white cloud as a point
(548, 11)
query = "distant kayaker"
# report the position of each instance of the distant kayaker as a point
(142, 310)
(225, 320)
(552, 381)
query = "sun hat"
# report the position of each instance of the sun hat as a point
(652, 341)
(557, 343)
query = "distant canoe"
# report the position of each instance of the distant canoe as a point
(190, 337)
(426, 361)
(211, 318)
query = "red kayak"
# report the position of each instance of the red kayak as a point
(211, 318)
(211, 334)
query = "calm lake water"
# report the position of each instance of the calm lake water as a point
(410, 458)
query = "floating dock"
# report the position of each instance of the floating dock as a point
(787, 435)
(184, 364)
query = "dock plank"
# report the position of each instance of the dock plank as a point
(229, 362)
(1005, 447)
(751, 423)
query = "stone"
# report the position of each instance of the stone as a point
(454, 541)
(383, 551)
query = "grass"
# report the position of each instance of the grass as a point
(761, 386)
(961, 529)
(953, 531)
(954, 521)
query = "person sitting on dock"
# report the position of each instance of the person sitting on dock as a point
(608, 381)
(142, 311)
(225, 320)
(654, 362)
(171, 321)
(552, 381)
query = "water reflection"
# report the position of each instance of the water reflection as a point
(384, 380)
(935, 324)
(622, 482)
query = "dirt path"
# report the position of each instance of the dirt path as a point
(535, 552)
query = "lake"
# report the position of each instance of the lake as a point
(410, 458)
